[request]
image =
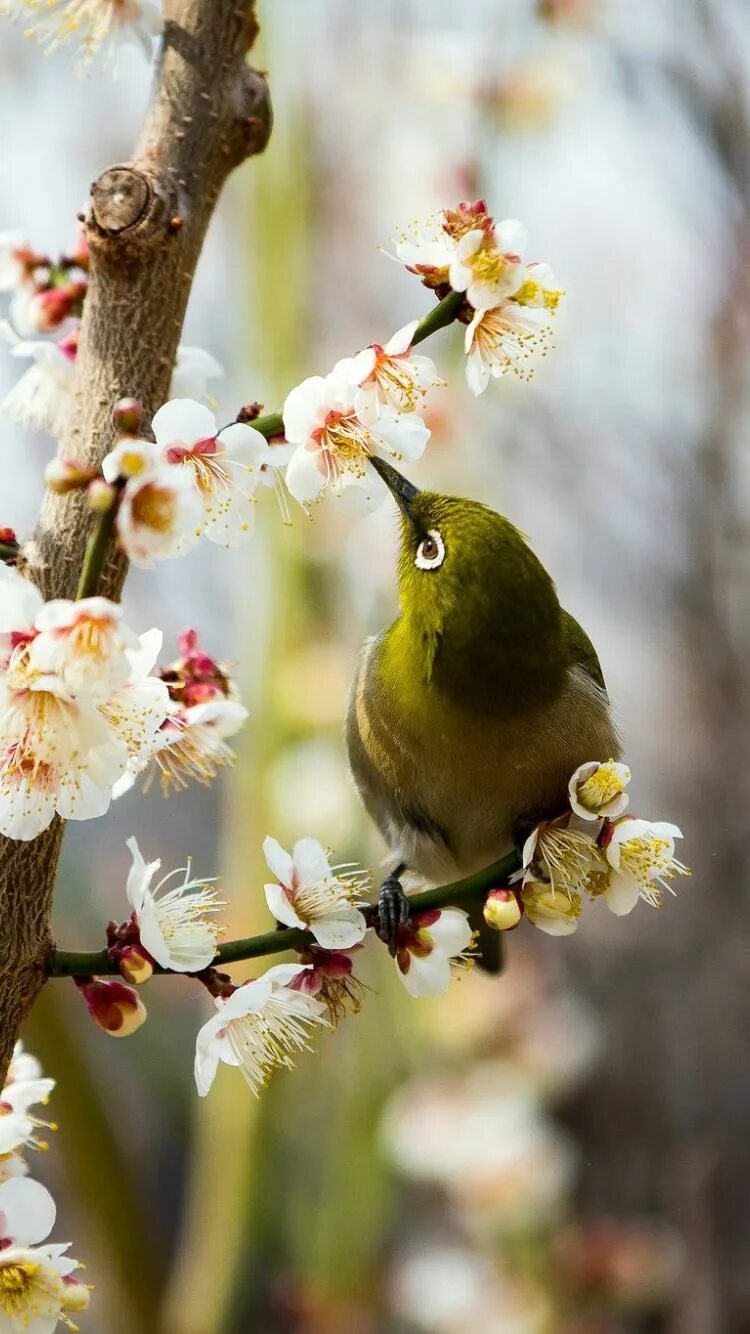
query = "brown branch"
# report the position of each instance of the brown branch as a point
(146, 224)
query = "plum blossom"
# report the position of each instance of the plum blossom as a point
(554, 911)
(488, 264)
(193, 368)
(597, 790)
(25, 1086)
(160, 514)
(429, 253)
(62, 748)
(336, 433)
(33, 1288)
(311, 895)
(174, 927)
(85, 644)
(502, 340)
(641, 862)
(205, 711)
(391, 375)
(40, 399)
(561, 856)
(224, 465)
(430, 948)
(259, 1027)
(98, 29)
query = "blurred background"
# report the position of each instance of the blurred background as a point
(565, 1149)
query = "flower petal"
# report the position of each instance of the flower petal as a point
(183, 421)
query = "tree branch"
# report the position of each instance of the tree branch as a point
(63, 963)
(145, 226)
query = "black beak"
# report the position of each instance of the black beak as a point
(402, 491)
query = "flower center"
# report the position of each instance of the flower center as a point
(601, 787)
(648, 856)
(16, 1284)
(488, 264)
(344, 445)
(154, 507)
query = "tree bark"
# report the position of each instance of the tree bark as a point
(145, 226)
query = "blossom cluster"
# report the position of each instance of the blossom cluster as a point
(96, 29)
(38, 1286)
(510, 300)
(595, 850)
(366, 406)
(78, 705)
(46, 297)
(193, 479)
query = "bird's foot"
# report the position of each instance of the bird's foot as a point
(393, 913)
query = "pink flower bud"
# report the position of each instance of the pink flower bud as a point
(116, 1009)
(127, 416)
(135, 965)
(502, 911)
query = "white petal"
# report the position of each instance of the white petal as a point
(430, 976)
(511, 237)
(622, 895)
(304, 477)
(477, 372)
(27, 1211)
(140, 876)
(401, 341)
(339, 930)
(311, 861)
(304, 408)
(279, 861)
(183, 421)
(451, 932)
(281, 908)
(404, 436)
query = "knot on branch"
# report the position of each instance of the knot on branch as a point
(250, 105)
(124, 202)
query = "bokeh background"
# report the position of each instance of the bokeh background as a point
(564, 1149)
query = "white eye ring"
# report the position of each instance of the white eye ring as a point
(433, 558)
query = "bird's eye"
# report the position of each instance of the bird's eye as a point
(430, 552)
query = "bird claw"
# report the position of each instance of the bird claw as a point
(393, 913)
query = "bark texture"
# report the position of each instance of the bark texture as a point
(146, 223)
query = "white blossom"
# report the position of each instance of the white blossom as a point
(160, 515)
(555, 911)
(392, 375)
(224, 466)
(504, 339)
(336, 433)
(488, 264)
(596, 790)
(309, 894)
(175, 927)
(85, 644)
(640, 855)
(193, 368)
(429, 949)
(259, 1028)
(97, 29)
(562, 856)
(20, 602)
(40, 399)
(32, 1275)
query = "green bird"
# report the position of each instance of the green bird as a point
(468, 715)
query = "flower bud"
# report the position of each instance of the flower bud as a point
(114, 1007)
(127, 416)
(76, 1296)
(62, 476)
(135, 965)
(555, 911)
(8, 537)
(100, 496)
(502, 911)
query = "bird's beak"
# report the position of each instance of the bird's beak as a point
(403, 492)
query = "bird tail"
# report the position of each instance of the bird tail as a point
(489, 943)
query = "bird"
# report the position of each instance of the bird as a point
(468, 714)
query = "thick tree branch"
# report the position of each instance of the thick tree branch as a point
(146, 224)
(63, 963)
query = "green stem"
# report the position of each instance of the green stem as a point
(64, 963)
(96, 553)
(441, 315)
(8, 553)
